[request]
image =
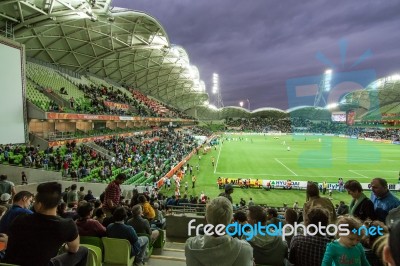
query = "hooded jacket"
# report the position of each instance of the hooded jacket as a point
(270, 250)
(219, 251)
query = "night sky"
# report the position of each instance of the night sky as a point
(259, 46)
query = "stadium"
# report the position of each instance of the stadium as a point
(96, 97)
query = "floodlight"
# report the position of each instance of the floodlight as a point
(215, 80)
(396, 77)
(327, 79)
(331, 105)
(241, 104)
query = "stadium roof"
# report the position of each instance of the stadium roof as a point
(132, 48)
(205, 112)
(127, 46)
(379, 93)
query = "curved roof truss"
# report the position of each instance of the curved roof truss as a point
(129, 47)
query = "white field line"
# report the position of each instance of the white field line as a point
(219, 153)
(358, 173)
(388, 171)
(285, 166)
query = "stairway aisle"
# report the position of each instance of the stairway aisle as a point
(173, 254)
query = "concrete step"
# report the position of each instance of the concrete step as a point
(164, 262)
(172, 254)
(175, 245)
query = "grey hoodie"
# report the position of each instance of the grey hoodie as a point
(271, 250)
(219, 251)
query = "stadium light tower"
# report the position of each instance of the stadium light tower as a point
(241, 104)
(215, 81)
(216, 90)
(323, 88)
(327, 79)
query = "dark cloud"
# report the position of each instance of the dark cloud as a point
(257, 45)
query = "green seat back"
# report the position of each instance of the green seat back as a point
(117, 252)
(92, 240)
(95, 257)
(160, 241)
(149, 250)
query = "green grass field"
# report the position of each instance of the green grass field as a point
(264, 157)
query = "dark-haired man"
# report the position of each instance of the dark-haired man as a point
(86, 225)
(112, 195)
(119, 229)
(383, 199)
(21, 204)
(228, 192)
(36, 239)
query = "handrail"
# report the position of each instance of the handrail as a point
(200, 209)
(186, 208)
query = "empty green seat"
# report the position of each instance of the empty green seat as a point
(117, 252)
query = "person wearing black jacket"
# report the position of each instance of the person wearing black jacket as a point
(361, 206)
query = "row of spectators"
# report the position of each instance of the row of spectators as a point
(72, 160)
(138, 105)
(304, 238)
(79, 214)
(318, 248)
(296, 124)
(160, 109)
(99, 94)
(152, 154)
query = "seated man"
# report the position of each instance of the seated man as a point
(218, 250)
(120, 230)
(159, 221)
(267, 249)
(35, 239)
(86, 225)
(272, 216)
(383, 199)
(22, 202)
(141, 225)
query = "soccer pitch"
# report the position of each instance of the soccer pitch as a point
(313, 158)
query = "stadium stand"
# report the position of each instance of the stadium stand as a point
(153, 135)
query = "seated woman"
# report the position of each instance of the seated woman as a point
(148, 211)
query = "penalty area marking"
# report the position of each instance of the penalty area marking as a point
(285, 167)
(388, 171)
(358, 173)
